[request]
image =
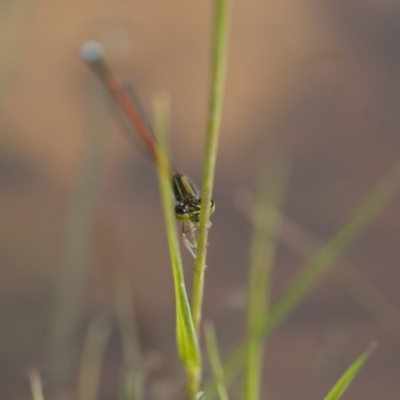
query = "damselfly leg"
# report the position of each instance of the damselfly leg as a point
(191, 229)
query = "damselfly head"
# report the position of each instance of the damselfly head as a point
(190, 208)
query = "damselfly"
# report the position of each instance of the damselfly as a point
(188, 207)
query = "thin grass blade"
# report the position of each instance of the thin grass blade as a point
(215, 361)
(133, 376)
(36, 385)
(92, 358)
(366, 293)
(265, 219)
(343, 383)
(78, 231)
(366, 212)
(186, 337)
(218, 72)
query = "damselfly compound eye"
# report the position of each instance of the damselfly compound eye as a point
(180, 213)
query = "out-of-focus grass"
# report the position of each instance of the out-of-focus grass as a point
(133, 371)
(330, 252)
(215, 361)
(35, 382)
(319, 265)
(92, 358)
(367, 295)
(265, 219)
(72, 272)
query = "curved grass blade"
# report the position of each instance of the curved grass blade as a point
(188, 346)
(342, 384)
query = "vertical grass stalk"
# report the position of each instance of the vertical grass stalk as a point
(218, 72)
(133, 374)
(215, 361)
(92, 358)
(262, 252)
(36, 386)
(72, 271)
(188, 347)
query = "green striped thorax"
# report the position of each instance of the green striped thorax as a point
(189, 203)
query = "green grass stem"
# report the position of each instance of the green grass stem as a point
(92, 358)
(188, 347)
(218, 72)
(262, 253)
(133, 374)
(215, 361)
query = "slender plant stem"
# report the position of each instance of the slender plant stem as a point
(270, 187)
(214, 121)
(92, 357)
(215, 361)
(188, 347)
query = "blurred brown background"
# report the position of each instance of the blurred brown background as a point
(316, 82)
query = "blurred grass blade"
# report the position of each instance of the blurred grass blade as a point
(218, 73)
(92, 357)
(133, 372)
(265, 218)
(351, 372)
(72, 271)
(186, 337)
(35, 383)
(215, 361)
(366, 293)
(110, 261)
(330, 252)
